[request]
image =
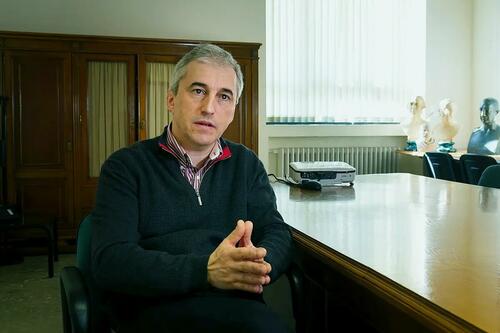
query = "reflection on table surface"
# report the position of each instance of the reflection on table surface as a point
(439, 239)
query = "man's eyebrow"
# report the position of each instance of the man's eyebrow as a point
(198, 84)
(204, 85)
(228, 91)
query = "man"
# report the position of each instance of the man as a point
(186, 233)
(484, 140)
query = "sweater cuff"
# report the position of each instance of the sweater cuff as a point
(200, 279)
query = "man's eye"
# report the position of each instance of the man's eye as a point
(225, 97)
(198, 91)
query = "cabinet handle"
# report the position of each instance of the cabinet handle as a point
(142, 124)
(69, 145)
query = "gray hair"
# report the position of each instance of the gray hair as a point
(207, 53)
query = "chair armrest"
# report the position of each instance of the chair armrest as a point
(296, 280)
(75, 301)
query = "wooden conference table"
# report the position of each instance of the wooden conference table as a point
(398, 252)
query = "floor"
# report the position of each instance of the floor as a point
(29, 300)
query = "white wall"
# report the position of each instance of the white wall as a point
(486, 55)
(449, 59)
(227, 20)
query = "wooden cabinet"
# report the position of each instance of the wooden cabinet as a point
(39, 133)
(53, 125)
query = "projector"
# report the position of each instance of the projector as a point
(322, 173)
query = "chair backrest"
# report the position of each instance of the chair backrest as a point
(98, 319)
(491, 176)
(83, 245)
(439, 165)
(473, 166)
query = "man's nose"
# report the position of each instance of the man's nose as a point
(209, 104)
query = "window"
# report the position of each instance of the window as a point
(343, 61)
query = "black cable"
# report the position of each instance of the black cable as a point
(308, 185)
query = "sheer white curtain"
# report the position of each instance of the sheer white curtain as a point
(159, 76)
(351, 61)
(107, 117)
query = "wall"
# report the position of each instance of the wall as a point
(449, 59)
(228, 20)
(486, 54)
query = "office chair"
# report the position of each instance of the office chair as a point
(13, 219)
(491, 176)
(439, 166)
(473, 166)
(81, 303)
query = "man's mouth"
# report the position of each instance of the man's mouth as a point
(205, 123)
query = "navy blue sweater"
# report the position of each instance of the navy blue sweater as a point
(151, 236)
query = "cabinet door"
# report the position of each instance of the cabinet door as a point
(39, 133)
(155, 77)
(241, 130)
(107, 120)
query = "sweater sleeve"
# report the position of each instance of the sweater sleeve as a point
(118, 263)
(270, 231)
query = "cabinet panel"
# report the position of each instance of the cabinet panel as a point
(39, 132)
(39, 111)
(51, 203)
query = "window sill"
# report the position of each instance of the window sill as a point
(276, 131)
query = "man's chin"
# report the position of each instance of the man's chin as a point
(206, 140)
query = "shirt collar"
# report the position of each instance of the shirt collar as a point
(180, 152)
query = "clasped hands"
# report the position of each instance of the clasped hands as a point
(237, 264)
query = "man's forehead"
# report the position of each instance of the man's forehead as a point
(203, 72)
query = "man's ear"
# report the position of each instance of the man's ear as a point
(170, 101)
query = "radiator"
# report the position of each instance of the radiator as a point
(365, 159)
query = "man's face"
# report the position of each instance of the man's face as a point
(487, 114)
(204, 105)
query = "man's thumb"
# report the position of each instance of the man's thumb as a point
(238, 232)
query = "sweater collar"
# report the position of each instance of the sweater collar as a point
(163, 144)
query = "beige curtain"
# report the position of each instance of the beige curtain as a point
(158, 80)
(106, 111)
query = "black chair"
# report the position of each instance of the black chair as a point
(81, 303)
(473, 166)
(13, 220)
(439, 165)
(491, 177)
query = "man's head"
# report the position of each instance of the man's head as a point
(207, 53)
(488, 111)
(203, 96)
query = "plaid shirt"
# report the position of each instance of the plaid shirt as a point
(193, 175)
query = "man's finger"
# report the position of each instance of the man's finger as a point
(247, 238)
(251, 288)
(234, 237)
(251, 267)
(249, 253)
(248, 278)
